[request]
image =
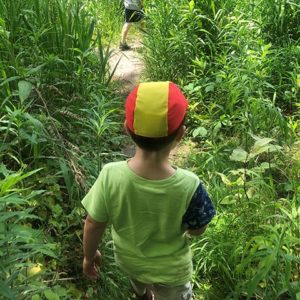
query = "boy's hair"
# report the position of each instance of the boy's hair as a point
(153, 144)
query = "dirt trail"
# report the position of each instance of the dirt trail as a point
(130, 67)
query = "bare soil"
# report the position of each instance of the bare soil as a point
(130, 67)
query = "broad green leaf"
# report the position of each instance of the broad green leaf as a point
(274, 148)
(257, 151)
(210, 88)
(44, 249)
(265, 165)
(9, 80)
(6, 291)
(298, 294)
(228, 200)
(239, 154)
(265, 50)
(263, 284)
(250, 192)
(225, 179)
(50, 295)
(13, 179)
(13, 199)
(260, 146)
(18, 214)
(4, 170)
(25, 89)
(60, 291)
(36, 69)
(37, 123)
(192, 5)
(262, 141)
(217, 128)
(268, 262)
(35, 297)
(200, 131)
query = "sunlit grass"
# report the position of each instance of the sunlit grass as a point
(238, 63)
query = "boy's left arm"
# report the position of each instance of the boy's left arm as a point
(92, 235)
(199, 213)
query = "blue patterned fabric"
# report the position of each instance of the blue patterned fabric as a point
(200, 210)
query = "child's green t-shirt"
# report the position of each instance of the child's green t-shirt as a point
(146, 217)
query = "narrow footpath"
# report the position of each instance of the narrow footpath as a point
(130, 67)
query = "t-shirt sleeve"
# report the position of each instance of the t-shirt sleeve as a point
(94, 202)
(200, 210)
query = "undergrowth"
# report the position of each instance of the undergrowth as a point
(239, 65)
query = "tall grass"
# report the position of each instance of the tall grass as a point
(49, 67)
(280, 21)
(109, 16)
(238, 62)
(54, 79)
(22, 246)
(164, 53)
(249, 246)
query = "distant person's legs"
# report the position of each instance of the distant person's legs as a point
(131, 16)
(125, 29)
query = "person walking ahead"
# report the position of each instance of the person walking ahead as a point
(151, 205)
(133, 14)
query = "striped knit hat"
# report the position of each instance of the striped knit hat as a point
(155, 109)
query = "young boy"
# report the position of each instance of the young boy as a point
(133, 14)
(150, 204)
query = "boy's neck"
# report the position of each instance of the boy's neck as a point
(152, 165)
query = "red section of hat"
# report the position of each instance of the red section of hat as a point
(130, 108)
(177, 107)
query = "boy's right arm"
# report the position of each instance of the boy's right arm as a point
(92, 235)
(95, 205)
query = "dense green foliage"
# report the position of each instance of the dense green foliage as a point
(56, 112)
(239, 64)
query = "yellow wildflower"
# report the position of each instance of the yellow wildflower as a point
(36, 269)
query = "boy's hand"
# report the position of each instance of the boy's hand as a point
(89, 266)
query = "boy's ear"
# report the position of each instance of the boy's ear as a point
(180, 132)
(125, 128)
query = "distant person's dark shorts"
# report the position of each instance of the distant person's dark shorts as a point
(133, 16)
